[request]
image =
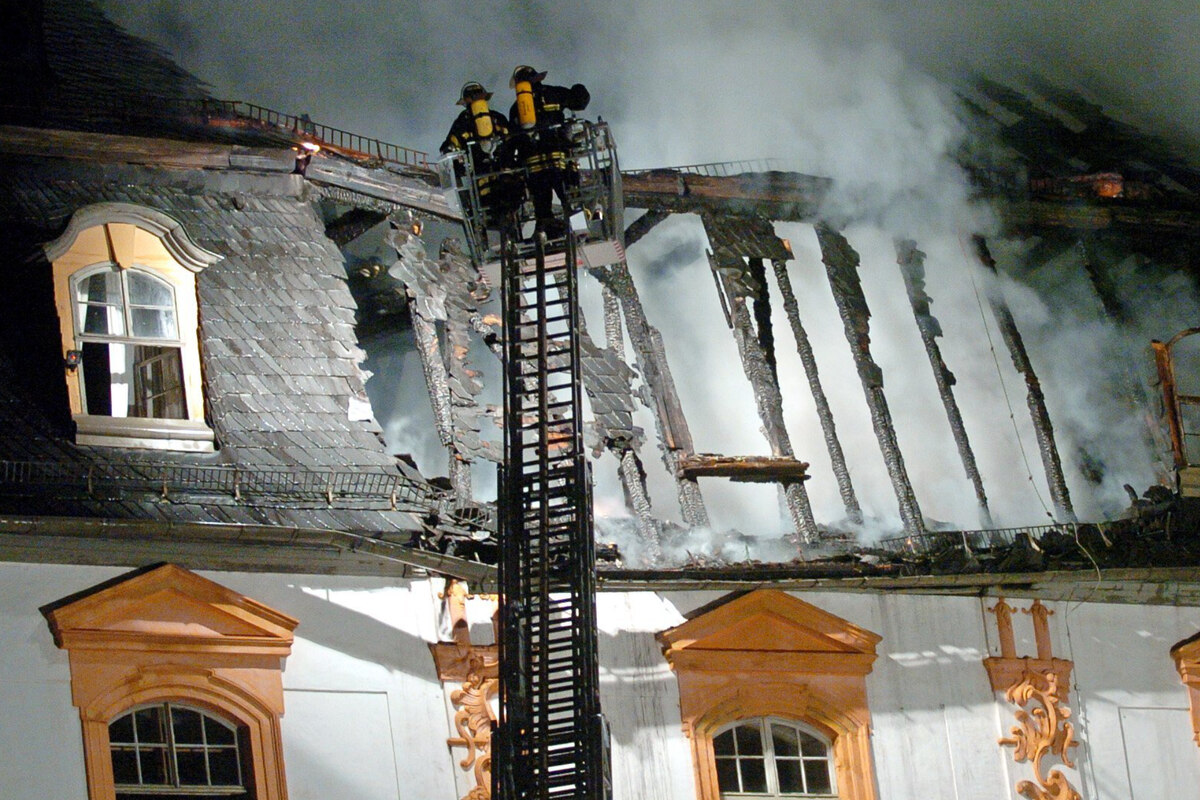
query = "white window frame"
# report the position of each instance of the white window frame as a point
(768, 757)
(128, 237)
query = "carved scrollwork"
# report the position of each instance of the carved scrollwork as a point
(473, 721)
(1043, 730)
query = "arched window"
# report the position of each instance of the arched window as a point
(773, 696)
(171, 750)
(178, 682)
(125, 288)
(772, 757)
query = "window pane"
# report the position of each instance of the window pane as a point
(154, 766)
(749, 739)
(101, 287)
(216, 733)
(149, 724)
(223, 767)
(154, 323)
(785, 740)
(816, 773)
(187, 726)
(145, 290)
(121, 729)
(124, 763)
(727, 777)
(158, 383)
(723, 744)
(788, 771)
(754, 775)
(190, 763)
(812, 746)
(100, 306)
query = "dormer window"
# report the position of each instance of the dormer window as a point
(125, 286)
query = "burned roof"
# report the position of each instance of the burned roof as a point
(285, 390)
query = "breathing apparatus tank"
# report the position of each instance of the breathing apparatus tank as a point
(483, 118)
(526, 114)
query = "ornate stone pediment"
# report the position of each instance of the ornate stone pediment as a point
(770, 629)
(169, 606)
(1187, 662)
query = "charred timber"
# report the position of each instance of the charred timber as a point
(674, 435)
(912, 268)
(808, 359)
(1035, 215)
(633, 474)
(789, 196)
(733, 241)
(643, 225)
(607, 379)
(841, 264)
(745, 469)
(1035, 399)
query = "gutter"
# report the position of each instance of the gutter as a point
(223, 546)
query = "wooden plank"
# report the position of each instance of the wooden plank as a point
(747, 469)
(381, 184)
(783, 195)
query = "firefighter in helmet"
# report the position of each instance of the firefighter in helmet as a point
(537, 119)
(482, 132)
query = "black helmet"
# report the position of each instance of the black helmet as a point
(525, 73)
(472, 90)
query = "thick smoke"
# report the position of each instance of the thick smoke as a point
(854, 91)
(392, 68)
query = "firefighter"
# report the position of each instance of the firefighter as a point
(537, 120)
(482, 132)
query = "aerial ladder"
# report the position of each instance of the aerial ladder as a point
(551, 742)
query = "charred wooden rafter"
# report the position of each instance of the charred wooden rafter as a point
(808, 360)
(912, 268)
(446, 291)
(1042, 427)
(841, 263)
(734, 240)
(789, 196)
(643, 225)
(673, 432)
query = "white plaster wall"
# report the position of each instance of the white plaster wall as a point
(933, 709)
(1129, 702)
(936, 720)
(364, 713)
(366, 717)
(41, 745)
(651, 758)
